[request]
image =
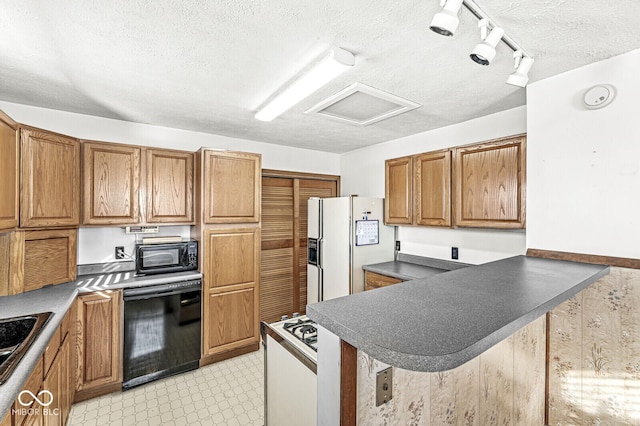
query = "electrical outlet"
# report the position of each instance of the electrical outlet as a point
(119, 252)
(384, 386)
(454, 253)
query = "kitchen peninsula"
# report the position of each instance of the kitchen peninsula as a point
(448, 321)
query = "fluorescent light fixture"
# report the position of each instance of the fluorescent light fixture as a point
(335, 63)
(520, 78)
(446, 21)
(485, 51)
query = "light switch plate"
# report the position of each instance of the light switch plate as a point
(384, 386)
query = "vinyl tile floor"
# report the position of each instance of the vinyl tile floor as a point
(227, 393)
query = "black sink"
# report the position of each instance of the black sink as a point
(16, 335)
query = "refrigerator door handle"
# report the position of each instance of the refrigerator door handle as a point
(320, 270)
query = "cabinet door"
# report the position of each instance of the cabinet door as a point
(373, 280)
(52, 383)
(231, 187)
(169, 186)
(9, 167)
(6, 420)
(232, 319)
(111, 184)
(66, 378)
(42, 257)
(99, 347)
(50, 193)
(231, 274)
(433, 188)
(398, 191)
(490, 182)
(21, 405)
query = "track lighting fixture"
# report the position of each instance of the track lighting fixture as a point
(446, 21)
(485, 51)
(522, 64)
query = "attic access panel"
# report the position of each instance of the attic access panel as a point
(362, 105)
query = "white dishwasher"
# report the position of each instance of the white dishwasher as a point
(290, 381)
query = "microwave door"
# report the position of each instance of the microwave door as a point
(160, 259)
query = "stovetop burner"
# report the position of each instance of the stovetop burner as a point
(303, 330)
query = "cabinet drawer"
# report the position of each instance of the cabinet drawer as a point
(373, 280)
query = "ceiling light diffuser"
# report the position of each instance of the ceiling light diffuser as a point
(446, 21)
(485, 51)
(335, 63)
(520, 78)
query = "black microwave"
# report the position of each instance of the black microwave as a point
(166, 258)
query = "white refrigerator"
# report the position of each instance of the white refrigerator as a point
(344, 233)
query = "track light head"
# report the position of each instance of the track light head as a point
(520, 78)
(485, 51)
(446, 21)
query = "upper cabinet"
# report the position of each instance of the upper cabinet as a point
(398, 207)
(50, 179)
(433, 188)
(111, 184)
(490, 184)
(126, 185)
(169, 188)
(231, 187)
(9, 172)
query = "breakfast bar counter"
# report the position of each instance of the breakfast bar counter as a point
(440, 322)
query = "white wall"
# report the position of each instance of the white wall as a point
(362, 173)
(583, 186)
(96, 245)
(104, 129)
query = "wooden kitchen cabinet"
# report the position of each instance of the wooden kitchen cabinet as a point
(9, 172)
(231, 186)
(111, 184)
(99, 344)
(489, 181)
(41, 257)
(50, 179)
(373, 280)
(169, 186)
(231, 285)
(433, 188)
(490, 184)
(398, 206)
(6, 420)
(34, 385)
(53, 383)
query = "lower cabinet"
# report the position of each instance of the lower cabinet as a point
(99, 344)
(26, 410)
(50, 381)
(231, 288)
(373, 280)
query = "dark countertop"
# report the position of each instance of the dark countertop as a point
(58, 299)
(441, 322)
(409, 267)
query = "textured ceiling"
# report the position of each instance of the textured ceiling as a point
(208, 65)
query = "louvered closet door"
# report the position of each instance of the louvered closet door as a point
(276, 269)
(283, 271)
